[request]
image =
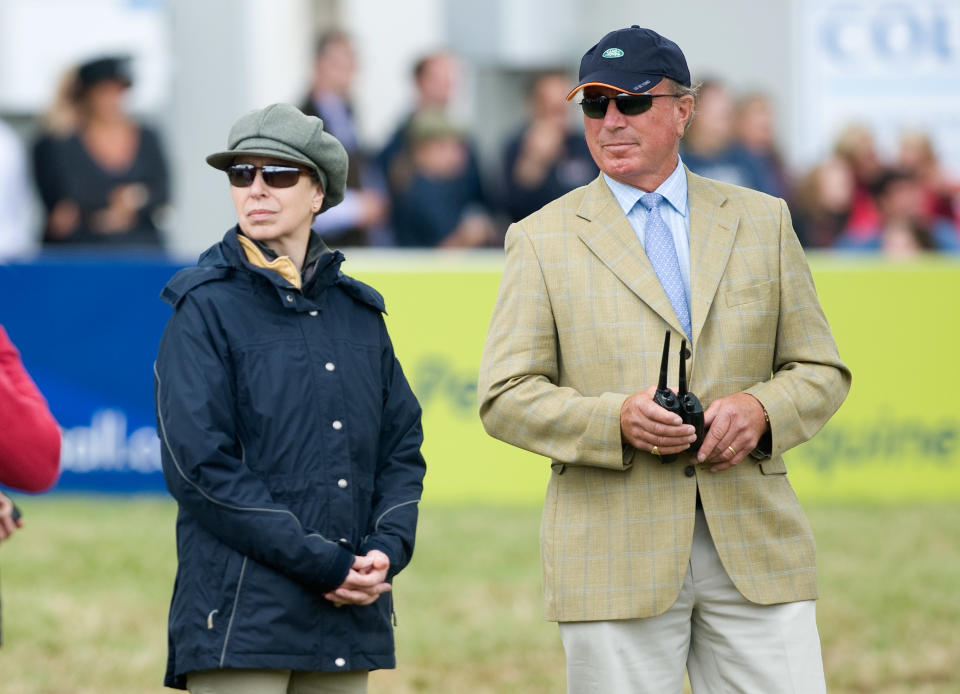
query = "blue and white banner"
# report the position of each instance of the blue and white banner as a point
(87, 331)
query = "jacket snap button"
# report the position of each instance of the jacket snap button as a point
(313, 313)
(339, 662)
(329, 366)
(689, 471)
(289, 297)
(342, 484)
(337, 424)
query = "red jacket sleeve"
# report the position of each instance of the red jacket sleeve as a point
(29, 435)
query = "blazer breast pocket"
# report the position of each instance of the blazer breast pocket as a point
(749, 293)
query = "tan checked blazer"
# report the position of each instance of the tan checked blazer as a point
(578, 326)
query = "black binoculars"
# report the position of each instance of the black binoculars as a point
(683, 402)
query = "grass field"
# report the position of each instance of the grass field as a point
(86, 585)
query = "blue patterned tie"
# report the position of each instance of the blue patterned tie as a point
(658, 243)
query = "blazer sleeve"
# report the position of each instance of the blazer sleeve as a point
(203, 461)
(400, 469)
(520, 399)
(809, 381)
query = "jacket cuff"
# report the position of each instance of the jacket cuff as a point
(764, 447)
(381, 544)
(337, 572)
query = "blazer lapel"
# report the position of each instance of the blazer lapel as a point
(713, 227)
(607, 233)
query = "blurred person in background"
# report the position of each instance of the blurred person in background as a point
(708, 146)
(904, 227)
(57, 123)
(29, 437)
(16, 234)
(290, 437)
(435, 79)
(941, 192)
(822, 203)
(548, 157)
(755, 139)
(358, 220)
(438, 197)
(706, 563)
(856, 145)
(106, 182)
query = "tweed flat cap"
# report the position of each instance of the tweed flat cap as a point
(283, 132)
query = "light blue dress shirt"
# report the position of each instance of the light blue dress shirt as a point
(676, 215)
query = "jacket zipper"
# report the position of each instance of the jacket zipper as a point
(233, 612)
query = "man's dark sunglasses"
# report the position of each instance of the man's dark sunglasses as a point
(627, 104)
(275, 176)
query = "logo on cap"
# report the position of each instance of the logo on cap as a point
(612, 53)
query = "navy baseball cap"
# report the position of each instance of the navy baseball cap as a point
(632, 61)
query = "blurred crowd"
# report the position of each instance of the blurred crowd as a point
(852, 200)
(103, 180)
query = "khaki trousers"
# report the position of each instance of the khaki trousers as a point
(276, 682)
(726, 643)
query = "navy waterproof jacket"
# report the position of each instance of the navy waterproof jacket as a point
(291, 442)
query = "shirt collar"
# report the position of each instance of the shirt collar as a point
(674, 191)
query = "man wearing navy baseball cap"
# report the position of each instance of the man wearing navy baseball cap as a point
(632, 61)
(665, 547)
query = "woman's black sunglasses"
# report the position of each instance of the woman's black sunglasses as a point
(627, 104)
(275, 176)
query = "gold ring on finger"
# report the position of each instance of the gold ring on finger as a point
(732, 452)
(655, 450)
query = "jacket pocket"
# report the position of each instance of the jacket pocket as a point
(757, 291)
(773, 466)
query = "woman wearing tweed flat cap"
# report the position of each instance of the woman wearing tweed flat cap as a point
(290, 437)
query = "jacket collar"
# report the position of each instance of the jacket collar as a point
(259, 255)
(321, 265)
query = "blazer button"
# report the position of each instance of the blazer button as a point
(313, 313)
(342, 483)
(689, 471)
